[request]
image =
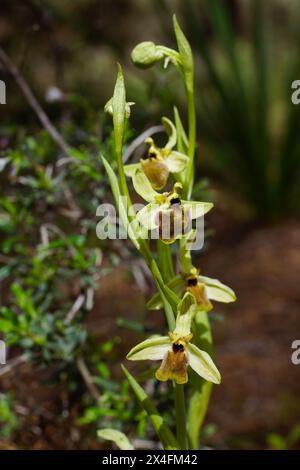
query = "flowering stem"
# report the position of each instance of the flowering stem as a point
(180, 416)
(192, 142)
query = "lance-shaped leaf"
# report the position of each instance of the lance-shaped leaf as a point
(163, 431)
(119, 110)
(185, 52)
(186, 310)
(120, 202)
(117, 437)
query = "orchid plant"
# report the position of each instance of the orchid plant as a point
(164, 179)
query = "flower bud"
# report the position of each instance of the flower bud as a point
(108, 108)
(146, 54)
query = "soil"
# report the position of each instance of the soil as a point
(260, 390)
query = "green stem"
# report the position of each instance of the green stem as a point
(192, 141)
(180, 416)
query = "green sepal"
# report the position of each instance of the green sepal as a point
(185, 313)
(186, 54)
(218, 291)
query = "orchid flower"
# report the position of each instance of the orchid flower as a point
(160, 162)
(176, 350)
(203, 288)
(167, 211)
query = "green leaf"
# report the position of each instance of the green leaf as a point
(119, 110)
(120, 203)
(185, 54)
(117, 437)
(163, 431)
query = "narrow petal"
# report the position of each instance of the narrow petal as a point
(153, 348)
(197, 209)
(176, 161)
(143, 186)
(148, 216)
(176, 285)
(131, 169)
(203, 365)
(218, 291)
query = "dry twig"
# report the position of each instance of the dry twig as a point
(24, 87)
(88, 380)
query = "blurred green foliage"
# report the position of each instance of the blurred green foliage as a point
(51, 264)
(8, 418)
(251, 128)
(278, 442)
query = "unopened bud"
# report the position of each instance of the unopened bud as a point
(146, 54)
